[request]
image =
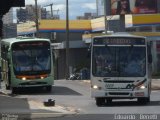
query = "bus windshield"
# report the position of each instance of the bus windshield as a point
(113, 61)
(31, 59)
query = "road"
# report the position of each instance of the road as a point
(75, 96)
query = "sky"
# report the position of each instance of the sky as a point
(76, 7)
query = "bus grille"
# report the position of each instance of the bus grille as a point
(118, 81)
(33, 83)
(118, 93)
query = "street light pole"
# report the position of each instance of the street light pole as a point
(67, 41)
(51, 10)
(36, 18)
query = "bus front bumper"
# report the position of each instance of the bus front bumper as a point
(31, 83)
(119, 94)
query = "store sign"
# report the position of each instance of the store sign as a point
(120, 7)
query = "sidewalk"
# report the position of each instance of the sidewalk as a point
(155, 84)
(25, 109)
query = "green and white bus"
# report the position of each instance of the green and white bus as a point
(26, 62)
(120, 68)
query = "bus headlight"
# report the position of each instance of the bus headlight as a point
(23, 78)
(42, 77)
(141, 87)
(95, 86)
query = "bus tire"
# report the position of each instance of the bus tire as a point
(147, 99)
(144, 100)
(100, 101)
(109, 100)
(14, 90)
(49, 88)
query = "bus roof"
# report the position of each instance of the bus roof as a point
(18, 39)
(119, 34)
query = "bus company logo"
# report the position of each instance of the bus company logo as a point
(130, 86)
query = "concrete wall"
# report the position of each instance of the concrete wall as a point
(60, 37)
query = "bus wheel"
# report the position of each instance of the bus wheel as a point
(147, 99)
(100, 101)
(144, 100)
(49, 88)
(109, 101)
(14, 90)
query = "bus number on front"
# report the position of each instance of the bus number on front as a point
(109, 86)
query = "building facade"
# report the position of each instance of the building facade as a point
(9, 27)
(8, 17)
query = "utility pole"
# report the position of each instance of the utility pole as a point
(105, 17)
(67, 41)
(36, 19)
(51, 10)
(97, 7)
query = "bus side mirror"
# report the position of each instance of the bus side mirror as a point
(149, 58)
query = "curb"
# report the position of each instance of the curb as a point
(48, 115)
(53, 111)
(34, 104)
(38, 110)
(155, 84)
(155, 87)
(28, 116)
(2, 93)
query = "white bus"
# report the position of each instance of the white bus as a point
(120, 68)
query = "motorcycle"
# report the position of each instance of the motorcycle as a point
(74, 76)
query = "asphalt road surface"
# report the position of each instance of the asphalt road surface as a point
(74, 96)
